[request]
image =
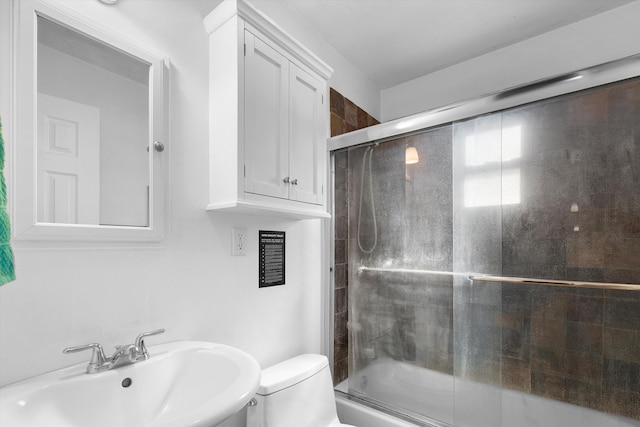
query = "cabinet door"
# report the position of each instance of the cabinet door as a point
(266, 146)
(306, 136)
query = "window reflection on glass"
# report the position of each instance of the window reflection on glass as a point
(492, 175)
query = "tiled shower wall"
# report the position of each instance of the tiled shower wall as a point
(345, 117)
(578, 218)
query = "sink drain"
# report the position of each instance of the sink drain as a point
(126, 382)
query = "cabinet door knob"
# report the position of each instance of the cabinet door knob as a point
(294, 182)
(286, 180)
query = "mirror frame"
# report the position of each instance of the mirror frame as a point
(19, 122)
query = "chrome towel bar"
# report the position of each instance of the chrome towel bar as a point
(516, 280)
(547, 282)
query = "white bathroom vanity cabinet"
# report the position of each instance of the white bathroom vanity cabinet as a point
(268, 117)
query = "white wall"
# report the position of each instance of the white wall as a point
(611, 35)
(192, 287)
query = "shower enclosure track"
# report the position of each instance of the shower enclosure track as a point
(517, 280)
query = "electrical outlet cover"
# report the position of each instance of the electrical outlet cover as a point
(238, 241)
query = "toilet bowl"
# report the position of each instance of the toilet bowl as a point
(295, 393)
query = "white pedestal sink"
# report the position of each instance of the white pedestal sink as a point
(184, 383)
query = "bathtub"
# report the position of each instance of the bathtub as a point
(471, 405)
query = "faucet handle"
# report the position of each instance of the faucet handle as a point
(140, 342)
(97, 357)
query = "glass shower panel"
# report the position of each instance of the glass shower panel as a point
(484, 165)
(578, 220)
(545, 191)
(400, 274)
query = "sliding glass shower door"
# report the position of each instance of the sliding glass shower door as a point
(400, 273)
(491, 254)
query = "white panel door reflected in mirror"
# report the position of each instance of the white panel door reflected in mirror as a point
(93, 131)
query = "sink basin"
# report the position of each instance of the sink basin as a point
(184, 383)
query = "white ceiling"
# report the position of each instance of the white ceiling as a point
(394, 41)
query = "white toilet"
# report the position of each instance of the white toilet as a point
(295, 393)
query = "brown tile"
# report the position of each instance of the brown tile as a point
(622, 344)
(341, 180)
(622, 375)
(337, 125)
(583, 394)
(513, 344)
(341, 230)
(348, 127)
(622, 254)
(548, 333)
(340, 350)
(549, 303)
(512, 320)
(516, 300)
(621, 402)
(585, 337)
(340, 276)
(622, 314)
(584, 367)
(340, 371)
(590, 221)
(547, 385)
(585, 309)
(337, 103)
(340, 325)
(341, 207)
(586, 252)
(624, 222)
(548, 251)
(625, 295)
(340, 251)
(350, 113)
(549, 360)
(589, 108)
(585, 292)
(340, 300)
(516, 375)
(363, 119)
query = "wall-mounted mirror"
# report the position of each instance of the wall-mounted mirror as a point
(93, 131)
(94, 114)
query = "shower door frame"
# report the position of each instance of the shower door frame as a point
(598, 75)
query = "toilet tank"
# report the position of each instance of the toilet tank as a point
(295, 393)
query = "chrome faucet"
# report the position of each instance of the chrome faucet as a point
(124, 354)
